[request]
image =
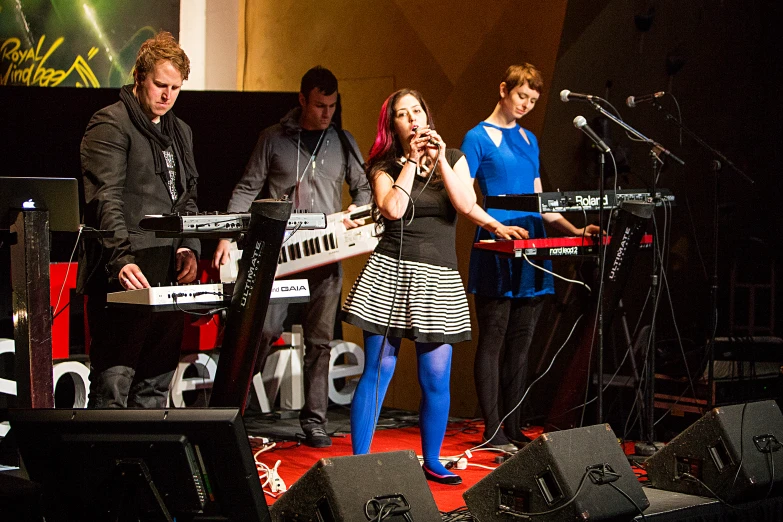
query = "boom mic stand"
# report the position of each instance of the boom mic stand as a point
(603, 149)
(647, 446)
(601, 267)
(715, 168)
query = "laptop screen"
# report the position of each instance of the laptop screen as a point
(60, 196)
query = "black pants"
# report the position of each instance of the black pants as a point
(133, 354)
(506, 329)
(318, 323)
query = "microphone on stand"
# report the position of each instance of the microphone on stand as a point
(631, 101)
(566, 96)
(581, 124)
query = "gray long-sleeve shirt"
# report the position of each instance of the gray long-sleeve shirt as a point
(280, 158)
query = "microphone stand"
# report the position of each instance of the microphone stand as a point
(715, 168)
(647, 445)
(601, 256)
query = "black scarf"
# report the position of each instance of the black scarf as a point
(172, 133)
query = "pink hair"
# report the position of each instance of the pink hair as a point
(384, 140)
(387, 146)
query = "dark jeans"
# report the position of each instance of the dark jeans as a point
(506, 329)
(319, 315)
(133, 354)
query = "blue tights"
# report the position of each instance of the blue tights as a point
(434, 368)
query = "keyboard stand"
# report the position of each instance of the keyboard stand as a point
(249, 303)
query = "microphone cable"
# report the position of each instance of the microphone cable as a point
(55, 311)
(397, 279)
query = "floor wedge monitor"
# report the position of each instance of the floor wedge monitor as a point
(379, 486)
(732, 452)
(576, 474)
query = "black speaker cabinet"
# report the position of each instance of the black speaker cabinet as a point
(357, 488)
(734, 450)
(545, 476)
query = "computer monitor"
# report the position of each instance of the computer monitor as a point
(60, 196)
(190, 464)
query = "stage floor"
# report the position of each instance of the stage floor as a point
(295, 459)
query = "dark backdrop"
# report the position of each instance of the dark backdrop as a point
(719, 60)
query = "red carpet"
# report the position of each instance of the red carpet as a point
(295, 459)
(461, 436)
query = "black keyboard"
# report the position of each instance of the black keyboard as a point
(220, 224)
(575, 201)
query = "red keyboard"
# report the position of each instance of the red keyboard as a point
(548, 247)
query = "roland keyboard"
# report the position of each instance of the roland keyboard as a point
(219, 225)
(204, 296)
(576, 201)
(310, 249)
(550, 247)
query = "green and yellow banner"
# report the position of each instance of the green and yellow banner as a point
(78, 43)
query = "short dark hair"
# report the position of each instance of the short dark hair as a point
(521, 74)
(319, 78)
(161, 47)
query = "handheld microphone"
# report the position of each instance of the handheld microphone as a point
(581, 124)
(631, 101)
(431, 141)
(567, 96)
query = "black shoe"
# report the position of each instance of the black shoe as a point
(449, 480)
(317, 438)
(520, 440)
(500, 443)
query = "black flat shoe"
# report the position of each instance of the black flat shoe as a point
(521, 441)
(508, 447)
(449, 480)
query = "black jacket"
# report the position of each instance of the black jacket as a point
(120, 188)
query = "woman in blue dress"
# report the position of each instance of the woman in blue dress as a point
(508, 292)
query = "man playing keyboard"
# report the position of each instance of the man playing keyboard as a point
(308, 153)
(137, 159)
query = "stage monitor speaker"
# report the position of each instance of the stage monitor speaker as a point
(735, 451)
(359, 488)
(576, 474)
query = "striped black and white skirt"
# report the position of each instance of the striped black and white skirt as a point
(418, 301)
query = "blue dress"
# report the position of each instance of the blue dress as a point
(509, 168)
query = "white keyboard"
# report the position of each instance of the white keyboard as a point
(206, 295)
(307, 249)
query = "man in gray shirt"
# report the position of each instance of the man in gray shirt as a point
(308, 153)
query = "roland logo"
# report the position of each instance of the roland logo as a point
(590, 201)
(28, 204)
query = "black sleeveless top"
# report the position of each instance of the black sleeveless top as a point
(431, 236)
